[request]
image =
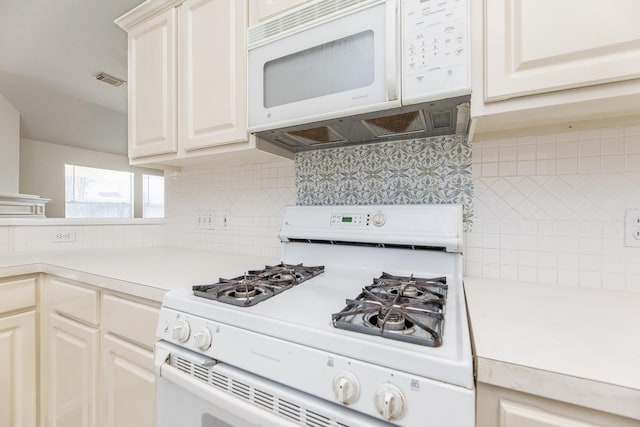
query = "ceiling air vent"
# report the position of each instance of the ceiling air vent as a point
(112, 80)
(316, 136)
(399, 124)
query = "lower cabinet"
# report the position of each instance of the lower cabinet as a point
(18, 335)
(18, 404)
(97, 361)
(71, 373)
(501, 407)
(128, 384)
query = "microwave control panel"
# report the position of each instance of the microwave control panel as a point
(435, 49)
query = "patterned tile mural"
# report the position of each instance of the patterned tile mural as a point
(430, 170)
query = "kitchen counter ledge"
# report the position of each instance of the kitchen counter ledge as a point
(575, 345)
(144, 272)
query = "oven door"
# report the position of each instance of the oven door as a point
(183, 401)
(341, 62)
(195, 391)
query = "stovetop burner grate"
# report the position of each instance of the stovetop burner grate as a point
(257, 285)
(404, 308)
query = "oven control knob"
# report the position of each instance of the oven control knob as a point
(378, 219)
(202, 339)
(390, 402)
(181, 331)
(346, 387)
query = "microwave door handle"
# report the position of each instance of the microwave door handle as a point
(392, 58)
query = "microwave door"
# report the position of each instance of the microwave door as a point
(341, 67)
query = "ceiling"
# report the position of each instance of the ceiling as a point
(50, 52)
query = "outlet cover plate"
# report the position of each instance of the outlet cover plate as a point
(64, 236)
(632, 228)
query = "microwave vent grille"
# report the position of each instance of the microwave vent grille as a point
(399, 124)
(301, 18)
(315, 136)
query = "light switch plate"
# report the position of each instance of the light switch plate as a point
(632, 228)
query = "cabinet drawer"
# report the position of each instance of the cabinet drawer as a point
(130, 319)
(74, 301)
(17, 294)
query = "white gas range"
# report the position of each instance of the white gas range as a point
(363, 324)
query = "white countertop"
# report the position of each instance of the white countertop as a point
(578, 345)
(144, 272)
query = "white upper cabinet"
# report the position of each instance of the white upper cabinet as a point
(211, 57)
(260, 10)
(152, 86)
(544, 63)
(187, 83)
(537, 46)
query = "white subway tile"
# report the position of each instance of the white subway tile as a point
(508, 154)
(567, 165)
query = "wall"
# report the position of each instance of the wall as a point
(9, 147)
(42, 171)
(551, 208)
(39, 238)
(254, 196)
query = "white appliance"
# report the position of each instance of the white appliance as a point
(259, 351)
(384, 68)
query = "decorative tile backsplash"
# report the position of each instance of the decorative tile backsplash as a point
(430, 170)
(551, 208)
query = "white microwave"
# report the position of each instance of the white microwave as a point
(334, 72)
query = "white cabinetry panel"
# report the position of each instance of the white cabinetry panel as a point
(212, 60)
(538, 46)
(18, 370)
(152, 86)
(71, 373)
(128, 384)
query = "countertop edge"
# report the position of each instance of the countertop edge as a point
(103, 282)
(611, 398)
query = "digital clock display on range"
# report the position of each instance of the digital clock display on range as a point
(347, 219)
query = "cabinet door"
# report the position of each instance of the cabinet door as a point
(538, 46)
(128, 384)
(18, 370)
(153, 86)
(71, 372)
(260, 10)
(212, 73)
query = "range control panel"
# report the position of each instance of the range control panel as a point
(377, 219)
(357, 220)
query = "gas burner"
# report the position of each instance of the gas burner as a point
(391, 321)
(411, 287)
(401, 308)
(257, 285)
(243, 291)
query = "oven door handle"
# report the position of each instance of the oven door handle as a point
(222, 399)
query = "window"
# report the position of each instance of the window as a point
(98, 193)
(152, 196)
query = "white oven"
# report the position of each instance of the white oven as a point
(336, 58)
(196, 391)
(363, 324)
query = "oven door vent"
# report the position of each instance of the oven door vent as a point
(245, 391)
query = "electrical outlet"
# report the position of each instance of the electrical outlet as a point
(632, 228)
(64, 236)
(205, 220)
(226, 220)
